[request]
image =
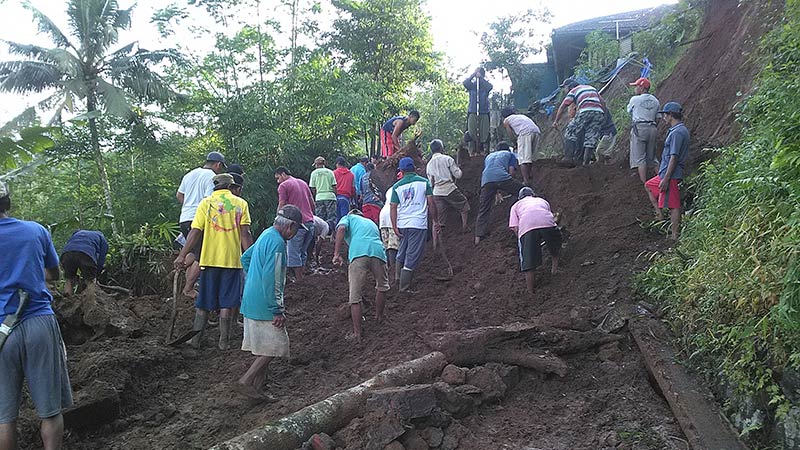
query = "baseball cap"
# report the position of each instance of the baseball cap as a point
(525, 192)
(292, 213)
(216, 157)
(223, 179)
(406, 164)
(672, 107)
(319, 160)
(643, 82)
(238, 180)
(236, 168)
(3, 189)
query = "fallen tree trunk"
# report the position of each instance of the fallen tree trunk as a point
(527, 345)
(335, 412)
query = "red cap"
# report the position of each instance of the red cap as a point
(643, 82)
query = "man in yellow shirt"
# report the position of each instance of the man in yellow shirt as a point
(222, 224)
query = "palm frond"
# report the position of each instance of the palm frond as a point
(113, 99)
(95, 24)
(26, 118)
(28, 76)
(123, 19)
(48, 27)
(61, 58)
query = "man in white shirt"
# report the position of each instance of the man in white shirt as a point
(643, 108)
(442, 173)
(195, 186)
(527, 133)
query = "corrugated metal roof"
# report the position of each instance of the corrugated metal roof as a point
(633, 21)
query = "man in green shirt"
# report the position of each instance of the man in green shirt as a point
(323, 186)
(366, 255)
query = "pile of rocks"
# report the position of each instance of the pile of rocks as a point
(422, 416)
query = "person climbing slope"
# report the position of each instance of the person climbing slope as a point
(392, 129)
(498, 168)
(532, 221)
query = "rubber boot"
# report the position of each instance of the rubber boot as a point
(405, 280)
(200, 319)
(398, 269)
(224, 333)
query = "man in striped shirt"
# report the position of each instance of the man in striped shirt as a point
(590, 117)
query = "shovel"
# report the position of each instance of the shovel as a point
(186, 337)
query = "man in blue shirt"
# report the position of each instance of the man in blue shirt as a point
(262, 301)
(86, 251)
(366, 255)
(663, 188)
(498, 167)
(359, 170)
(478, 88)
(33, 349)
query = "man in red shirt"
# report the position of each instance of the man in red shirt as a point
(345, 188)
(294, 191)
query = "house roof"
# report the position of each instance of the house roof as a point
(630, 21)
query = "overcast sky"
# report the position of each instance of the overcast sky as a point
(457, 25)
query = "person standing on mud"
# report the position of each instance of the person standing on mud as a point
(359, 169)
(86, 252)
(643, 108)
(366, 256)
(411, 202)
(294, 191)
(532, 221)
(391, 243)
(478, 111)
(498, 168)
(443, 172)
(527, 133)
(323, 185)
(195, 186)
(392, 129)
(222, 225)
(263, 307)
(589, 119)
(345, 188)
(663, 188)
(32, 348)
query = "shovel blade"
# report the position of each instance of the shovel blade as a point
(185, 338)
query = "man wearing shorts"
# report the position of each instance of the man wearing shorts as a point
(323, 186)
(195, 186)
(663, 188)
(643, 108)
(222, 224)
(33, 350)
(498, 168)
(86, 252)
(392, 129)
(366, 256)
(294, 191)
(589, 119)
(532, 221)
(263, 309)
(411, 202)
(527, 133)
(443, 172)
(391, 243)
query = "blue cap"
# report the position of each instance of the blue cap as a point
(216, 157)
(406, 164)
(672, 107)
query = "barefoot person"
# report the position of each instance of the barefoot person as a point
(663, 188)
(392, 129)
(86, 252)
(222, 226)
(527, 134)
(532, 221)
(32, 350)
(498, 169)
(643, 108)
(195, 186)
(366, 255)
(443, 172)
(265, 335)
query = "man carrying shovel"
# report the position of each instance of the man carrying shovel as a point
(222, 224)
(265, 333)
(366, 256)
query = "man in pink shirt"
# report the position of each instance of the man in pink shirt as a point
(294, 191)
(533, 222)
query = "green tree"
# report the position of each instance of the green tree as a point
(83, 68)
(442, 104)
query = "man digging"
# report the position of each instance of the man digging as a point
(366, 255)
(265, 335)
(222, 224)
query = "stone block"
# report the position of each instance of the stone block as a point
(454, 375)
(408, 402)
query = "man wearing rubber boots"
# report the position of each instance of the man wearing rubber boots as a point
(31, 348)
(411, 202)
(222, 224)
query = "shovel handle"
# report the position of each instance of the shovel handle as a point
(174, 314)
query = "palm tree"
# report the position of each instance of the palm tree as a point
(82, 70)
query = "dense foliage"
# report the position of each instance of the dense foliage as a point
(732, 287)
